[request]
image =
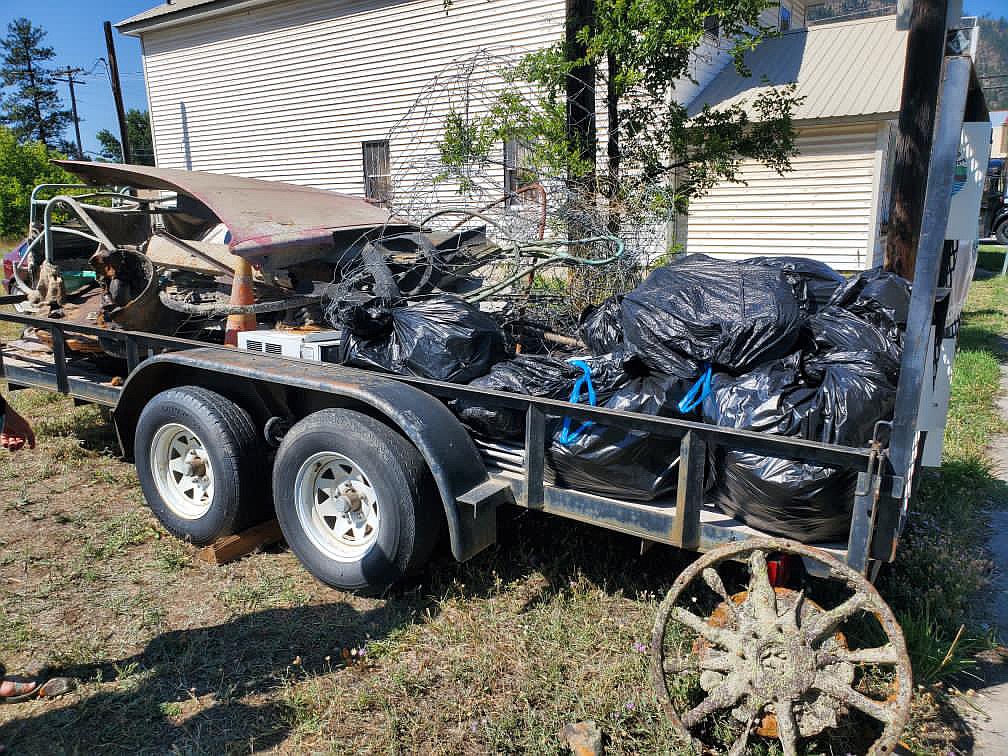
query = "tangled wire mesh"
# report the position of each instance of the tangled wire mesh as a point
(555, 245)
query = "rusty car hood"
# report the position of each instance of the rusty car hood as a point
(262, 216)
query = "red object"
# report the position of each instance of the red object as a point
(263, 217)
(779, 569)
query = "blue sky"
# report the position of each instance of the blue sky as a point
(75, 32)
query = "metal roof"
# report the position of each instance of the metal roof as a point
(176, 11)
(851, 70)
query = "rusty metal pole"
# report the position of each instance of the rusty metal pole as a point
(127, 153)
(915, 132)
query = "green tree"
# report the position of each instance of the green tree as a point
(992, 61)
(33, 108)
(637, 52)
(23, 165)
(141, 143)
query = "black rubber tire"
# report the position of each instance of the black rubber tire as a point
(1001, 232)
(238, 457)
(410, 512)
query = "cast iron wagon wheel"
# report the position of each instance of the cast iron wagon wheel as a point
(767, 662)
(355, 501)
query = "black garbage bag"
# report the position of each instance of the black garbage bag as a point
(727, 314)
(365, 316)
(611, 461)
(810, 503)
(814, 281)
(536, 375)
(771, 399)
(834, 328)
(857, 389)
(805, 502)
(877, 297)
(600, 326)
(443, 338)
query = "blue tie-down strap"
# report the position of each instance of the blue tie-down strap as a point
(584, 381)
(697, 393)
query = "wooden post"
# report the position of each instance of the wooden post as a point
(581, 84)
(127, 153)
(915, 131)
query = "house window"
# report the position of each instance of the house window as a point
(712, 26)
(514, 158)
(377, 175)
(785, 19)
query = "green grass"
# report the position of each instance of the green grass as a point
(936, 584)
(942, 564)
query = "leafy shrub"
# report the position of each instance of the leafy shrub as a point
(22, 167)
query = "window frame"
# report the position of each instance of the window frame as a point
(376, 162)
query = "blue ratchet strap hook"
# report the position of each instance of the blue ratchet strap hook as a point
(584, 381)
(697, 393)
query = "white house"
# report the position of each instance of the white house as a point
(308, 91)
(834, 202)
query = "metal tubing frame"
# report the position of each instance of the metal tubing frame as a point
(902, 456)
(70, 202)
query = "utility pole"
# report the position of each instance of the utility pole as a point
(69, 73)
(117, 94)
(915, 132)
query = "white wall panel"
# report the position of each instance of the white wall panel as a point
(288, 92)
(824, 208)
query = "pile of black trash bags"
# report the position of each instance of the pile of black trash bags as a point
(780, 345)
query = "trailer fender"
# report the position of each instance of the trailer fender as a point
(469, 496)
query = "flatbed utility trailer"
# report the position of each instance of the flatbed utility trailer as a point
(472, 476)
(367, 469)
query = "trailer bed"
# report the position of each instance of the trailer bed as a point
(29, 362)
(684, 520)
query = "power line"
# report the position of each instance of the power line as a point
(69, 72)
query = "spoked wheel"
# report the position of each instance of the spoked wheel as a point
(757, 662)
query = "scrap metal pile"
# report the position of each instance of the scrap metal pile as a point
(776, 345)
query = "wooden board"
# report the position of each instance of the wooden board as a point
(231, 547)
(195, 256)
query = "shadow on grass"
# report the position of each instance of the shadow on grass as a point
(251, 655)
(240, 670)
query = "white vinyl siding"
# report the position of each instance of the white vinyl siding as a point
(290, 91)
(824, 208)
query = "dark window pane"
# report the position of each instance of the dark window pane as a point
(377, 173)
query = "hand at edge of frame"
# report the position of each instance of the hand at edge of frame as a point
(16, 431)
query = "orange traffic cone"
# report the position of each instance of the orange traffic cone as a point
(241, 294)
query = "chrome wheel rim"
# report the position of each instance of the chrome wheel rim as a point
(182, 471)
(337, 507)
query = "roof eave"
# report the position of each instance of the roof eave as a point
(845, 120)
(135, 26)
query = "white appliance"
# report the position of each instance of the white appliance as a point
(320, 346)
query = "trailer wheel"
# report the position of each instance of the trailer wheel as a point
(353, 501)
(735, 659)
(201, 464)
